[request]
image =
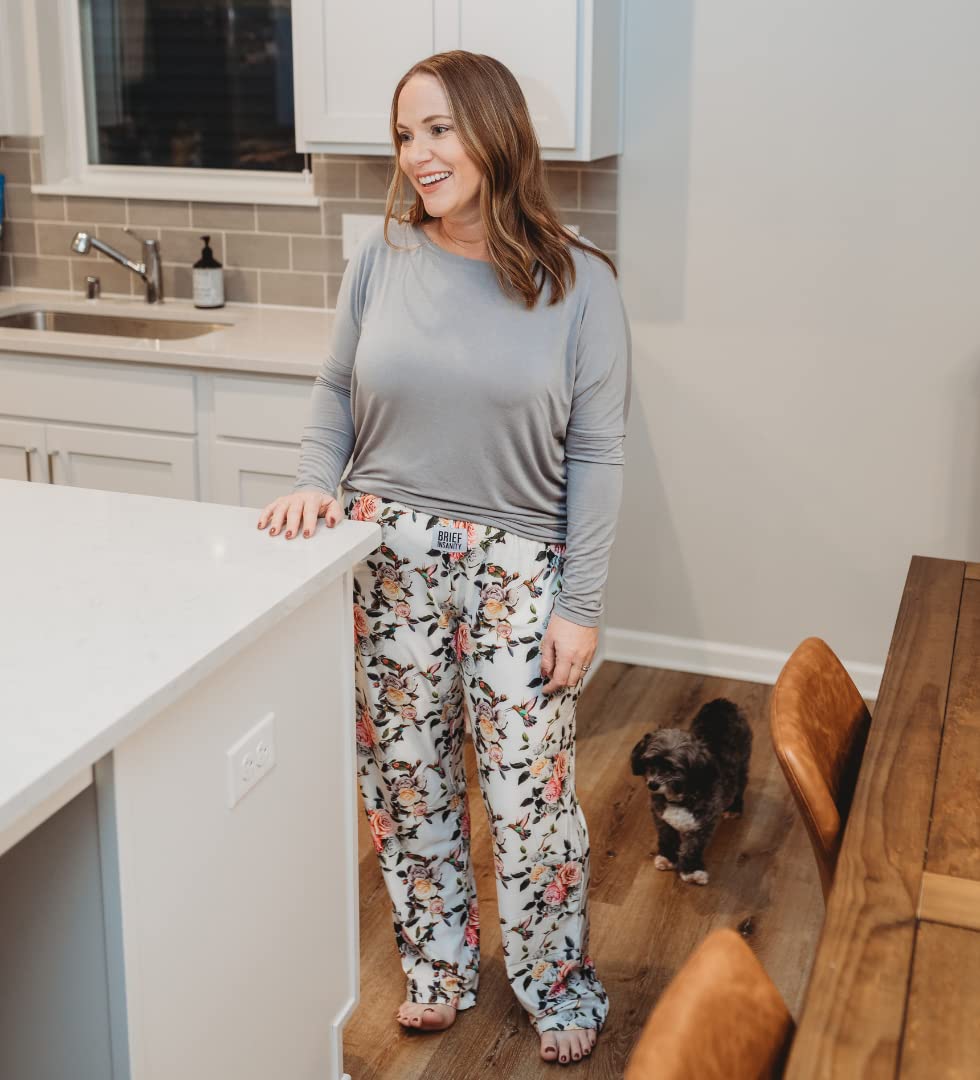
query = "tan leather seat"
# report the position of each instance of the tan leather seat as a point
(721, 1018)
(819, 725)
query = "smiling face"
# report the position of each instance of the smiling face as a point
(430, 147)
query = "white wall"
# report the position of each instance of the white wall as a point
(800, 257)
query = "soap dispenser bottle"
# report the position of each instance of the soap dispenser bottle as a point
(209, 283)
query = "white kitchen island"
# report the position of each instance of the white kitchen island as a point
(158, 658)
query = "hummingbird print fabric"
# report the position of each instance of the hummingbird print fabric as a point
(448, 621)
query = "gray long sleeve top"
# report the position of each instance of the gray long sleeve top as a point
(447, 395)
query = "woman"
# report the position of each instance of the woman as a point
(484, 423)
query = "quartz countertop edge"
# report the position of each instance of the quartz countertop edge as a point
(50, 731)
(260, 339)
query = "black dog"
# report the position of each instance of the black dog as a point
(695, 778)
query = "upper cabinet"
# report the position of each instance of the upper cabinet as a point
(16, 76)
(566, 54)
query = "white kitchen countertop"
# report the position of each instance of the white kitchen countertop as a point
(112, 606)
(259, 339)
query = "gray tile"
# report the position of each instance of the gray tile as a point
(611, 162)
(37, 169)
(290, 219)
(113, 278)
(22, 205)
(16, 166)
(298, 290)
(111, 211)
(374, 178)
(184, 246)
(319, 253)
(334, 209)
(19, 238)
(124, 241)
(33, 272)
(563, 184)
(242, 286)
(597, 227)
(158, 212)
(257, 249)
(6, 273)
(21, 142)
(55, 239)
(599, 190)
(335, 179)
(223, 216)
(178, 282)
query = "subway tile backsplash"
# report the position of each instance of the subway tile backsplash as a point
(272, 254)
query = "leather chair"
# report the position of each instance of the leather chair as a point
(721, 1018)
(819, 725)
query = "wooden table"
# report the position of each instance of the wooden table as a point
(895, 988)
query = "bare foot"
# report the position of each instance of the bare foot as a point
(425, 1016)
(572, 1044)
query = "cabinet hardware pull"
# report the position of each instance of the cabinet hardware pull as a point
(51, 466)
(27, 458)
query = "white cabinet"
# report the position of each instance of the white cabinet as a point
(16, 76)
(347, 60)
(72, 422)
(250, 474)
(134, 462)
(256, 424)
(145, 430)
(22, 451)
(566, 54)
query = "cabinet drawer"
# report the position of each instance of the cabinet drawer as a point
(273, 410)
(88, 392)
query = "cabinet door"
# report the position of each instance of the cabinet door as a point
(248, 474)
(347, 60)
(539, 43)
(126, 461)
(22, 451)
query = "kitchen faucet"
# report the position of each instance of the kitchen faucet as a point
(150, 269)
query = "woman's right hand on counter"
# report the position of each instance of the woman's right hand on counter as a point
(305, 505)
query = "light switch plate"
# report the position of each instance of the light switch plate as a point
(353, 227)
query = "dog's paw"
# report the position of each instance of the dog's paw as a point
(661, 862)
(729, 814)
(696, 877)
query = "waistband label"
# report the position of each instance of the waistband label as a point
(446, 539)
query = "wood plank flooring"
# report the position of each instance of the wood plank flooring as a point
(644, 923)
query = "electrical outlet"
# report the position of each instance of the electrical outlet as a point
(251, 759)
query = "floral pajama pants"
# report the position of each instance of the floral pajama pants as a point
(436, 631)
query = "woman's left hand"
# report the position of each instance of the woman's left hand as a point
(566, 649)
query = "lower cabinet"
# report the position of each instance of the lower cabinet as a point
(22, 453)
(250, 474)
(147, 430)
(134, 462)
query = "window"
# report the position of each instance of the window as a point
(189, 83)
(181, 99)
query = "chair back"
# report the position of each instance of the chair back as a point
(819, 724)
(721, 1018)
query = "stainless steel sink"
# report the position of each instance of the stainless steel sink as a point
(90, 322)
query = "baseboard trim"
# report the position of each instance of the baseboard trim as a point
(716, 658)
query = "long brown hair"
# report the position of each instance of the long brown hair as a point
(526, 242)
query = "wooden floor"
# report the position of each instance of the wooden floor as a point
(644, 923)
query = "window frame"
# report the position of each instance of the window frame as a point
(64, 149)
